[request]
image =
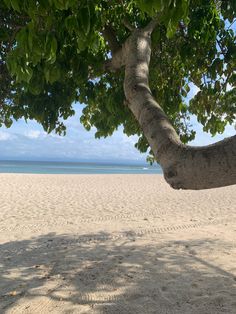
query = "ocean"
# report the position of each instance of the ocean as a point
(46, 167)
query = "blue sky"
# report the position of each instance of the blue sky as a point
(28, 141)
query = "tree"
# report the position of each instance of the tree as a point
(99, 52)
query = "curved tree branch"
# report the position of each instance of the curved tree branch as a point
(184, 167)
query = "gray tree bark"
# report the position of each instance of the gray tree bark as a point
(184, 167)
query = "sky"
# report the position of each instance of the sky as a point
(28, 141)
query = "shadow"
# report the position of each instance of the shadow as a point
(94, 274)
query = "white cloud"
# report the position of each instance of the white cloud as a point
(34, 134)
(4, 136)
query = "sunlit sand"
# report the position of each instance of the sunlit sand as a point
(115, 244)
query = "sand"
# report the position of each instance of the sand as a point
(115, 244)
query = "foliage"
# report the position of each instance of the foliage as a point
(53, 51)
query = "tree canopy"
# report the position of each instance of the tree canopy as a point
(54, 53)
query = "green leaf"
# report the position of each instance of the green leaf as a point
(187, 88)
(71, 23)
(54, 46)
(23, 74)
(30, 39)
(52, 54)
(171, 29)
(84, 15)
(7, 3)
(22, 38)
(15, 5)
(52, 73)
(81, 44)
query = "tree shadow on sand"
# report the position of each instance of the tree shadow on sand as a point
(97, 274)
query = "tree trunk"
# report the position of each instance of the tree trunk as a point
(184, 167)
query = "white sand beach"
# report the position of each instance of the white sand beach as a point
(115, 244)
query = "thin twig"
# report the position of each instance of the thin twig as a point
(128, 25)
(231, 24)
(110, 36)
(151, 25)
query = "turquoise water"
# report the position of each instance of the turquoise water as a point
(74, 168)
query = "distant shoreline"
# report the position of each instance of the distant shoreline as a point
(122, 163)
(49, 167)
